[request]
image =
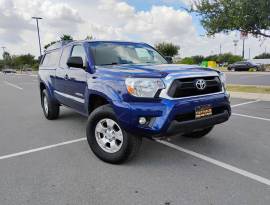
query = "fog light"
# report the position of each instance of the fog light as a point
(142, 120)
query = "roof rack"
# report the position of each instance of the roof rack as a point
(58, 45)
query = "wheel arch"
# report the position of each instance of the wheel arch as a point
(95, 100)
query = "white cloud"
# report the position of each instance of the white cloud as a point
(16, 22)
(107, 19)
(12, 23)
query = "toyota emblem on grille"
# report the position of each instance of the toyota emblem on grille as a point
(200, 84)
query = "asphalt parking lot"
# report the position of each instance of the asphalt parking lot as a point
(49, 162)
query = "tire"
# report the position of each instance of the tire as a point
(102, 126)
(199, 134)
(50, 108)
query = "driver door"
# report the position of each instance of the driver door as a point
(76, 84)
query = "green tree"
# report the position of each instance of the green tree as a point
(6, 56)
(263, 56)
(198, 59)
(21, 61)
(188, 60)
(247, 16)
(167, 49)
(211, 58)
(64, 37)
(7, 61)
(18, 61)
(49, 44)
(223, 58)
(1, 64)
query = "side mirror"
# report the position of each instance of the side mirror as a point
(75, 62)
(169, 59)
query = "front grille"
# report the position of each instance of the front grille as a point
(186, 87)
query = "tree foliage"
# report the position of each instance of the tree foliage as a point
(248, 16)
(263, 56)
(6, 56)
(192, 60)
(64, 37)
(222, 58)
(18, 61)
(167, 49)
(49, 44)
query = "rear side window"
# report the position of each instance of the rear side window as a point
(51, 59)
(64, 57)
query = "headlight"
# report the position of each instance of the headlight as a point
(222, 77)
(144, 87)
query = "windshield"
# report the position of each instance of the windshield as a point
(114, 53)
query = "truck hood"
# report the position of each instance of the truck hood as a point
(152, 70)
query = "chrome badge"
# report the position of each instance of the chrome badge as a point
(200, 84)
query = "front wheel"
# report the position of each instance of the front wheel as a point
(199, 134)
(107, 139)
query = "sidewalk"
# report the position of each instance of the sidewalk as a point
(251, 96)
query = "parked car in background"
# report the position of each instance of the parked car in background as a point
(244, 66)
(8, 70)
(27, 69)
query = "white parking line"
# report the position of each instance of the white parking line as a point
(246, 103)
(192, 153)
(249, 116)
(41, 148)
(25, 74)
(218, 163)
(13, 85)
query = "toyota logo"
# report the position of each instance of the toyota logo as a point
(200, 84)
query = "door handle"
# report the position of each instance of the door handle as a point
(66, 77)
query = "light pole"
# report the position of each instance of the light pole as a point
(38, 18)
(243, 51)
(235, 42)
(3, 47)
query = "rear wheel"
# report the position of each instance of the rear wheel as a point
(107, 139)
(199, 134)
(50, 108)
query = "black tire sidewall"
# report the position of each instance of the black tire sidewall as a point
(128, 143)
(45, 94)
(53, 109)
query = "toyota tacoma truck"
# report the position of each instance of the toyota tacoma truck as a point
(128, 91)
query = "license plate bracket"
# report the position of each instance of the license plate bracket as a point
(203, 111)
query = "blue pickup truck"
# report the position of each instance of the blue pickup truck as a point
(128, 91)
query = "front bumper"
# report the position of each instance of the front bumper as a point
(169, 117)
(191, 125)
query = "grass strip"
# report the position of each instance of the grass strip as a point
(248, 88)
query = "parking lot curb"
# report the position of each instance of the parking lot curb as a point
(251, 96)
